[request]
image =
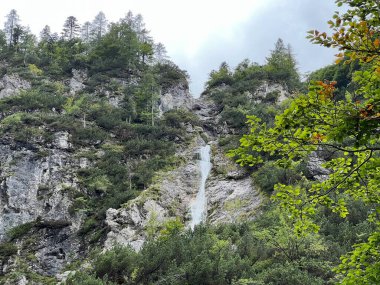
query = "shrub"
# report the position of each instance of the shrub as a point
(269, 175)
(175, 118)
(82, 278)
(20, 230)
(170, 75)
(7, 249)
(116, 265)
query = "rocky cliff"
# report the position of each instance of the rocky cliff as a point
(36, 193)
(40, 187)
(231, 195)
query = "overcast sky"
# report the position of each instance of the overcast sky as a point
(200, 34)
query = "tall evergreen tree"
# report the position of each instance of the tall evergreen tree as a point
(10, 25)
(71, 28)
(160, 53)
(99, 26)
(86, 32)
(281, 65)
(45, 34)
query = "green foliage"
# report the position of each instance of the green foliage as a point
(270, 174)
(116, 52)
(170, 75)
(20, 231)
(236, 93)
(177, 117)
(266, 251)
(33, 100)
(348, 127)
(221, 77)
(81, 278)
(116, 265)
(7, 249)
(281, 66)
(234, 117)
(362, 265)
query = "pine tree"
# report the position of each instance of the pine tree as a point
(45, 34)
(99, 26)
(10, 25)
(281, 65)
(71, 28)
(86, 32)
(160, 53)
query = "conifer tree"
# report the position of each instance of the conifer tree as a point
(281, 65)
(86, 32)
(71, 28)
(10, 26)
(160, 53)
(99, 26)
(45, 34)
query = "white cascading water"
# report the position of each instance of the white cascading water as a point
(199, 205)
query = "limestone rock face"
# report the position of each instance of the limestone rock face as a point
(36, 187)
(61, 140)
(314, 165)
(176, 97)
(230, 192)
(168, 198)
(271, 89)
(77, 81)
(12, 84)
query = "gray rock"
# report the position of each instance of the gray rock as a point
(61, 140)
(34, 189)
(169, 198)
(63, 276)
(176, 97)
(314, 165)
(267, 88)
(12, 84)
(77, 81)
(230, 192)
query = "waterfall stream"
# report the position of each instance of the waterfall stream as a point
(199, 205)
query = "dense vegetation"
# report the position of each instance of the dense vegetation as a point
(311, 230)
(113, 121)
(293, 241)
(341, 129)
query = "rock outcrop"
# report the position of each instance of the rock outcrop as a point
(314, 166)
(169, 197)
(77, 81)
(231, 194)
(12, 84)
(36, 188)
(277, 92)
(176, 97)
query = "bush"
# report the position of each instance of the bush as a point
(33, 100)
(88, 136)
(235, 118)
(288, 273)
(116, 265)
(7, 249)
(81, 278)
(20, 230)
(170, 75)
(176, 118)
(269, 175)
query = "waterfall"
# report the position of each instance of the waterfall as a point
(199, 205)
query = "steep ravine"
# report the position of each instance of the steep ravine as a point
(229, 196)
(38, 182)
